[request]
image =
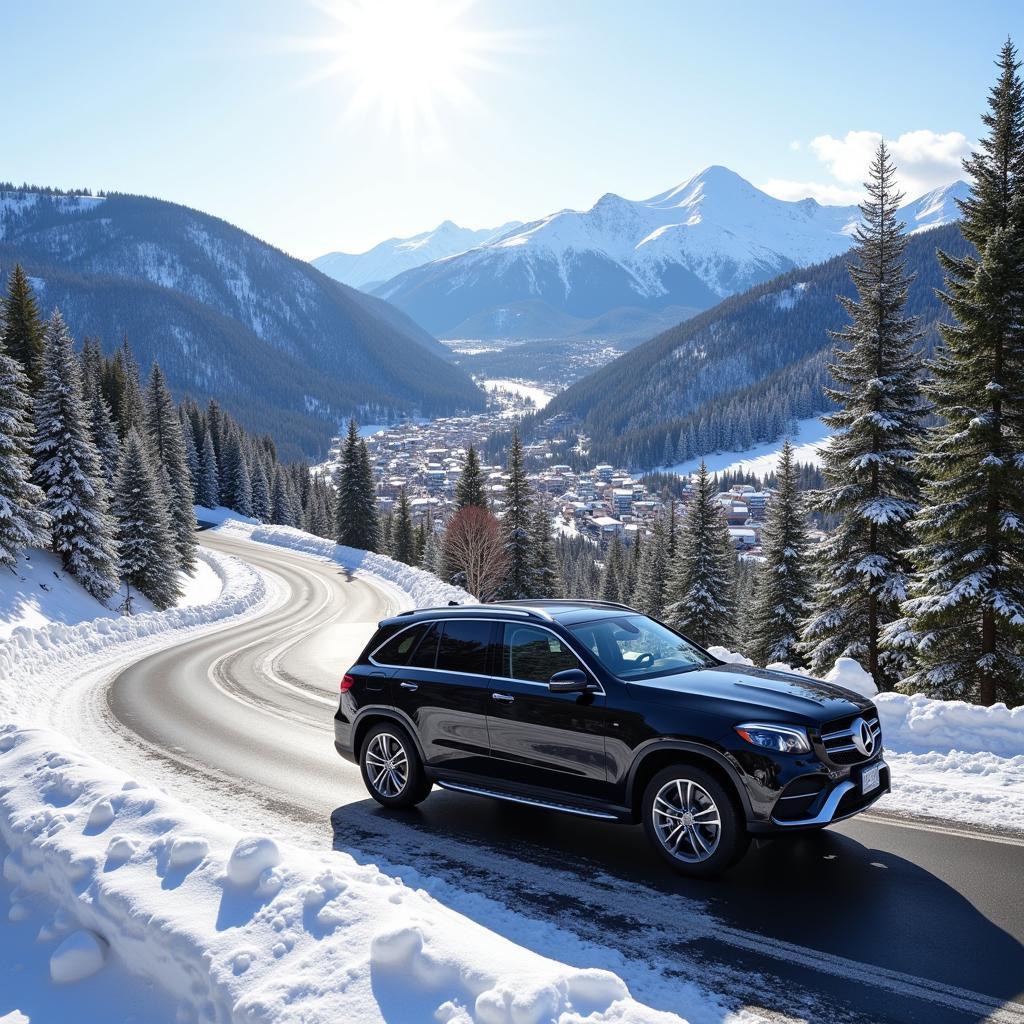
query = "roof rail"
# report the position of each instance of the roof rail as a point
(496, 609)
(569, 602)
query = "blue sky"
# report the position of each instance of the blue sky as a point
(536, 105)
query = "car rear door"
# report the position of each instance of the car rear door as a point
(443, 689)
(555, 741)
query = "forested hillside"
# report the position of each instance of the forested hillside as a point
(226, 315)
(736, 374)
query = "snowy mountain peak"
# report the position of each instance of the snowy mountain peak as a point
(396, 255)
(935, 208)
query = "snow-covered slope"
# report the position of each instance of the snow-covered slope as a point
(710, 237)
(396, 255)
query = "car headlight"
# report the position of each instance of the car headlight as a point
(786, 739)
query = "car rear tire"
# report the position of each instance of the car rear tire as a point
(693, 821)
(391, 767)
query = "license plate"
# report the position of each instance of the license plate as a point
(870, 778)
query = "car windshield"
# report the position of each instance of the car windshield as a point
(636, 647)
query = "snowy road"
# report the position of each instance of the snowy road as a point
(875, 920)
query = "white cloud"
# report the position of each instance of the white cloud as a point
(795, 144)
(924, 160)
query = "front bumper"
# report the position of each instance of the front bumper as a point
(843, 800)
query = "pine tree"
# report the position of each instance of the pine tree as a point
(862, 570)
(470, 488)
(614, 572)
(283, 512)
(128, 406)
(635, 555)
(261, 503)
(147, 558)
(547, 580)
(356, 505)
(403, 541)
(965, 618)
(68, 469)
(22, 520)
(167, 453)
(699, 599)
(21, 329)
(651, 573)
(208, 491)
(236, 486)
(191, 452)
(783, 596)
(101, 421)
(517, 528)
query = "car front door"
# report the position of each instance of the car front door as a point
(555, 741)
(443, 690)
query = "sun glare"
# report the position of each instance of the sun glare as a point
(404, 60)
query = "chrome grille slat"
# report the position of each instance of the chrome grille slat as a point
(836, 737)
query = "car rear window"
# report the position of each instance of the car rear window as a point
(396, 651)
(464, 645)
(425, 655)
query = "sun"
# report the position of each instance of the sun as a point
(404, 62)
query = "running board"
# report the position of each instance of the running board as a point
(528, 801)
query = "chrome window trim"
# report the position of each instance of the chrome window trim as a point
(600, 691)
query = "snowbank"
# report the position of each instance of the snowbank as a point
(36, 663)
(419, 588)
(920, 725)
(240, 928)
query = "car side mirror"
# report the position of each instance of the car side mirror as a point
(571, 680)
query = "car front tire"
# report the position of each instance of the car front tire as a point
(391, 767)
(693, 821)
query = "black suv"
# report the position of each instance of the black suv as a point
(597, 710)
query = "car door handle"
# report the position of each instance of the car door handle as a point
(505, 698)
(410, 686)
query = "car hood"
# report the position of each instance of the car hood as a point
(752, 691)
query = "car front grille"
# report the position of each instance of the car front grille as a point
(841, 737)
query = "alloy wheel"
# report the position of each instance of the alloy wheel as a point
(387, 764)
(687, 820)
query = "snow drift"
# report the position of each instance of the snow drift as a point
(417, 588)
(240, 928)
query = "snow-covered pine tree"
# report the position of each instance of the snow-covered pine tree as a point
(101, 422)
(614, 572)
(23, 523)
(191, 451)
(21, 329)
(68, 469)
(236, 486)
(470, 488)
(634, 556)
(147, 559)
(127, 406)
(283, 512)
(403, 540)
(208, 491)
(547, 579)
(783, 592)
(356, 504)
(432, 553)
(651, 573)
(965, 618)
(262, 505)
(517, 528)
(167, 452)
(699, 598)
(862, 570)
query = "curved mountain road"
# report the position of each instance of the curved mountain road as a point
(875, 920)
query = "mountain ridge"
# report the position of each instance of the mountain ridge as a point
(692, 245)
(227, 315)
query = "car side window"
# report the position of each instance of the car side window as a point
(534, 655)
(396, 651)
(464, 645)
(426, 653)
